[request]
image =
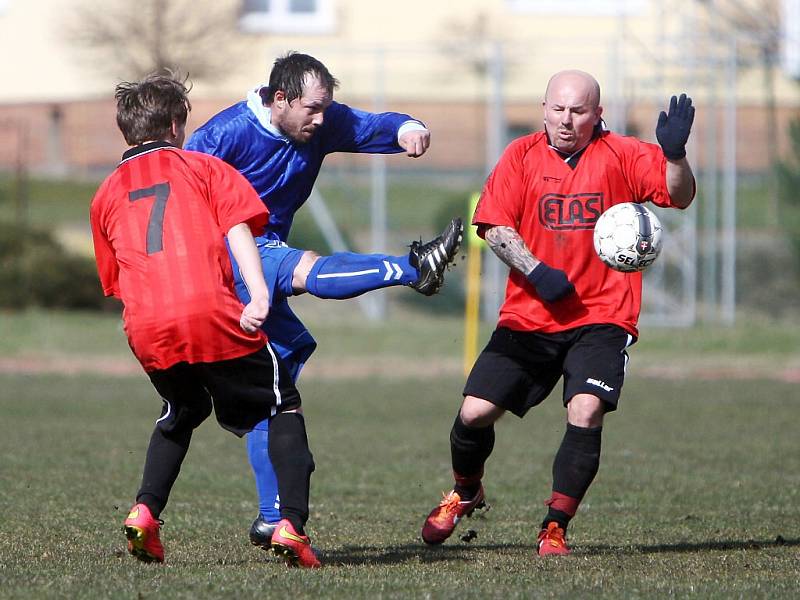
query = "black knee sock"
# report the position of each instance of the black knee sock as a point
(165, 455)
(574, 469)
(293, 464)
(469, 449)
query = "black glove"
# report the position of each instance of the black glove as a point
(673, 128)
(551, 284)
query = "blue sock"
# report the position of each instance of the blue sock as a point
(346, 274)
(266, 481)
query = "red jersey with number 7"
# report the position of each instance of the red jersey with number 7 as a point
(554, 208)
(158, 224)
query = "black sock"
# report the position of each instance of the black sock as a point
(293, 464)
(469, 449)
(558, 516)
(165, 455)
(574, 468)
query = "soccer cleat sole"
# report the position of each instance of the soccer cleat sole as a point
(435, 258)
(288, 555)
(264, 547)
(479, 506)
(135, 536)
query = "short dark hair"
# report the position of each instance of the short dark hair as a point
(289, 73)
(147, 108)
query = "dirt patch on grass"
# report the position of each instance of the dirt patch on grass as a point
(389, 367)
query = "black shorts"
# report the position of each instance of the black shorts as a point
(519, 369)
(243, 392)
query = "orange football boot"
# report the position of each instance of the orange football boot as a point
(552, 541)
(295, 549)
(442, 520)
(142, 529)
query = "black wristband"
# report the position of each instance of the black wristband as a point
(537, 273)
(551, 284)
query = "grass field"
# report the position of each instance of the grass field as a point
(698, 494)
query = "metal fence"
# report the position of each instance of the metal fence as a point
(695, 278)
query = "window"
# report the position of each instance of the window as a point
(287, 16)
(588, 8)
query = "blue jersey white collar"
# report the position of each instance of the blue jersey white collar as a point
(262, 113)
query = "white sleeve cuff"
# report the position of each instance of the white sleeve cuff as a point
(410, 126)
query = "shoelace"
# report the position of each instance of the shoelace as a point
(554, 537)
(449, 504)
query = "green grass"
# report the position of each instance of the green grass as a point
(697, 484)
(46, 334)
(415, 202)
(341, 330)
(698, 494)
(47, 202)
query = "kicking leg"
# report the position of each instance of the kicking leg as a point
(346, 274)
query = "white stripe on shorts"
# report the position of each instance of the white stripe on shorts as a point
(628, 343)
(166, 414)
(276, 380)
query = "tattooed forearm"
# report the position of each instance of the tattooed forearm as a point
(509, 246)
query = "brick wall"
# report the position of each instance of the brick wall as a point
(82, 138)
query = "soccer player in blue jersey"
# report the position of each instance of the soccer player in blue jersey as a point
(277, 138)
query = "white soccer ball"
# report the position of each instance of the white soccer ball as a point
(627, 237)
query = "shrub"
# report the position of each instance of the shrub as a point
(788, 176)
(35, 270)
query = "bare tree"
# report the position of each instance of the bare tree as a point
(130, 39)
(468, 43)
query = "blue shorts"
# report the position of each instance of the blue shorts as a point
(286, 333)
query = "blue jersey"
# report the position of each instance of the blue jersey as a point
(282, 171)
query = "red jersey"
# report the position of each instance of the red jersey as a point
(554, 209)
(158, 224)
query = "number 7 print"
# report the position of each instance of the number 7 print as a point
(155, 225)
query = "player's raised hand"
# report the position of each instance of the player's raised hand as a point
(672, 130)
(416, 142)
(254, 315)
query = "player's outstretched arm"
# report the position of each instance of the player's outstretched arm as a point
(551, 284)
(672, 133)
(244, 250)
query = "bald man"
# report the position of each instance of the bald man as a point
(565, 313)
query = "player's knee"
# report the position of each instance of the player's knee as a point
(302, 271)
(477, 413)
(585, 410)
